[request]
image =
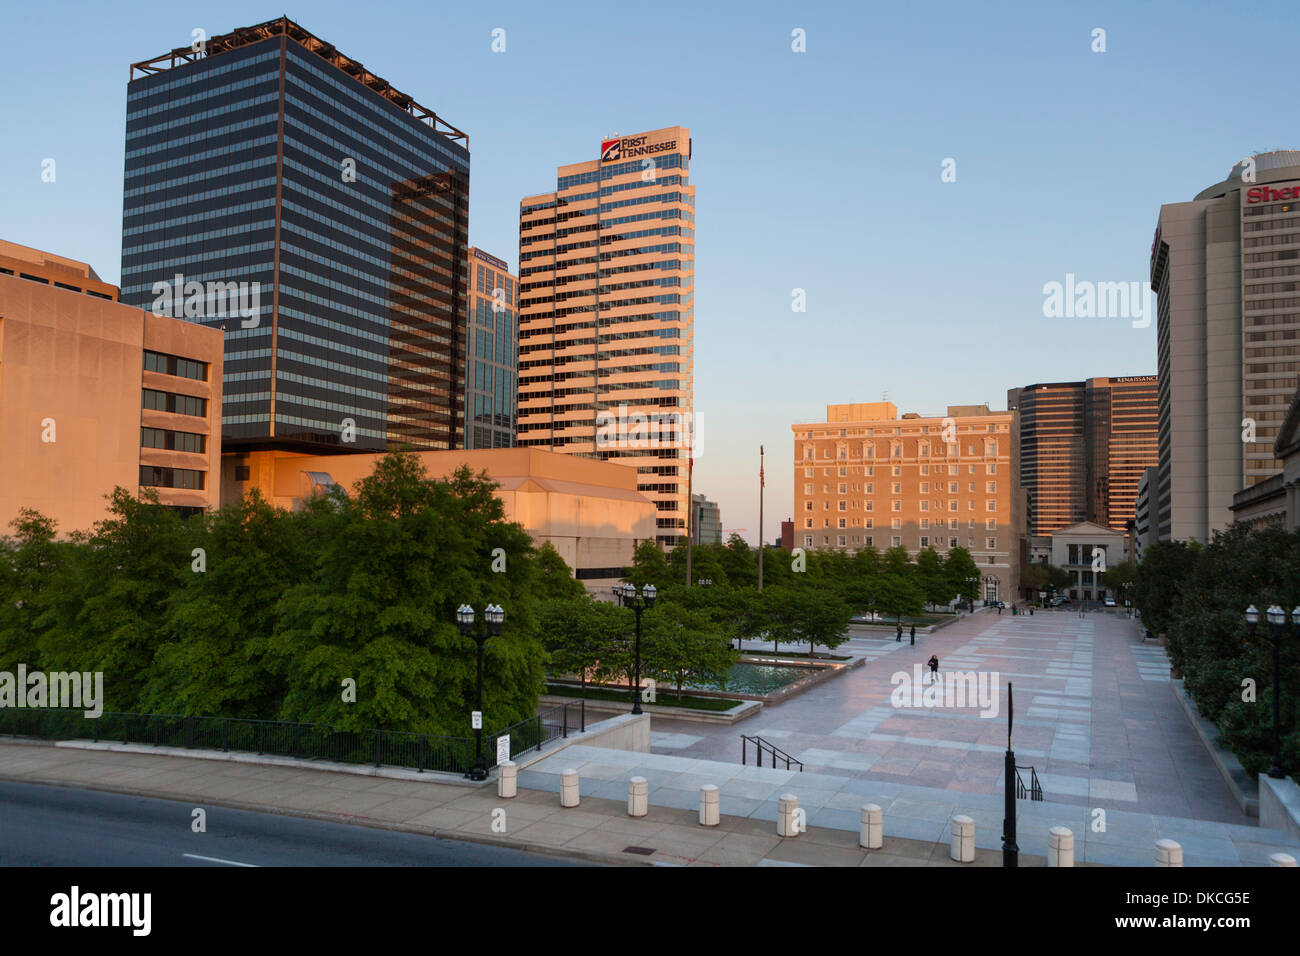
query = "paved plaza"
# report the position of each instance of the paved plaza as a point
(1095, 716)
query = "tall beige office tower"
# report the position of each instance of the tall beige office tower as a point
(606, 315)
(1225, 268)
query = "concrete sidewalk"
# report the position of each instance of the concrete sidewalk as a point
(599, 830)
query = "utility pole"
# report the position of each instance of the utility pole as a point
(762, 483)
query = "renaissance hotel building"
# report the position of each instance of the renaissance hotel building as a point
(282, 192)
(606, 315)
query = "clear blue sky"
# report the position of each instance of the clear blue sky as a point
(818, 170)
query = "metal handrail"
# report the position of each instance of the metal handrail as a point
(1035, 789)
(759, 745)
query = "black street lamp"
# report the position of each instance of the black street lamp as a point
(626, 594)
(1277, 627)
(970, 592)
(494, 617)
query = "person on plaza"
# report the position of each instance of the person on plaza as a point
(899, 637)
(913, 632)
(999, 610)
(934, 668)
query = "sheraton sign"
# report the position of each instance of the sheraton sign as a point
(1266, 194)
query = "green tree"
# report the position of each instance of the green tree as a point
(963, 573)
(557, 579)
(678, 644)
(650, 566)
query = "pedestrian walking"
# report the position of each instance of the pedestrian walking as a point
(1031, 610)
(934, 668)
(899, 637)
(913, 634)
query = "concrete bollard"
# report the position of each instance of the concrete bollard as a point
(507, 779)
(569, 789)
(1168, 853)
(1282, 859)
(963, 839)
(787, 816)
(638, 797)
(710, 808)
(872, 832)
(1060, 846)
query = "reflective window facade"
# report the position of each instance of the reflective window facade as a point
(491, 352)
(341, 214)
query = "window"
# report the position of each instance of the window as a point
(807, 522)
(952, 487)
(175, 365)
(871, 487)
(843, 472)
(173, 441)
(925, 506)
(990, 469)
(991, 487)
(871, 523)
(807, 541)
(896, 506)
(952, 505)
(152, 477)
(897, 541)
(952, 526)
(925, 541)
(808, 505)
(807, 489)
(991, 524)
(991, 505)
(171, 402)
(898, 488)
(843, 523)
(896, 524)
(843, 487)
(871, 506)
(952, 542)
(925, 469)
(839, 540)
(991, 559)
(992, 544)
(871, 469)
(898, 470)
(925, 487)
(869, 544)
(925, 522)
(843, 505)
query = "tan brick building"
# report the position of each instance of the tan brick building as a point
(867, 477)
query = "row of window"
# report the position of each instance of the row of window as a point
(154, 477)
(175, 365)
(178, 404)
(172, 440)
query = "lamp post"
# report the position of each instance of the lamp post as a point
(626, 594)
(1277, 627)
(970, 589)
(494, 617)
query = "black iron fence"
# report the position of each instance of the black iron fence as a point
(761, 747)
(382, 748)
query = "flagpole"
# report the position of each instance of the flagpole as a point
(762, 483)
(690, 512)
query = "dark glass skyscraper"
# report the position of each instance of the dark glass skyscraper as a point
(268, 162)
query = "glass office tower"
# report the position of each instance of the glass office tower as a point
(281, 191)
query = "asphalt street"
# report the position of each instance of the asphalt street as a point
(61, 826)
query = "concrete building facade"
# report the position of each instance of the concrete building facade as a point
(95, 394)
(866, 478)
(606, 315)
(1225, 268)
(590, 511)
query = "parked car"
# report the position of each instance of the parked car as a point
(1110, 602)
(1060, 601)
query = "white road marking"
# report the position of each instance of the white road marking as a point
(213, 859)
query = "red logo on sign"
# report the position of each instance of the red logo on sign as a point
(610, 149)
(1264, 194)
